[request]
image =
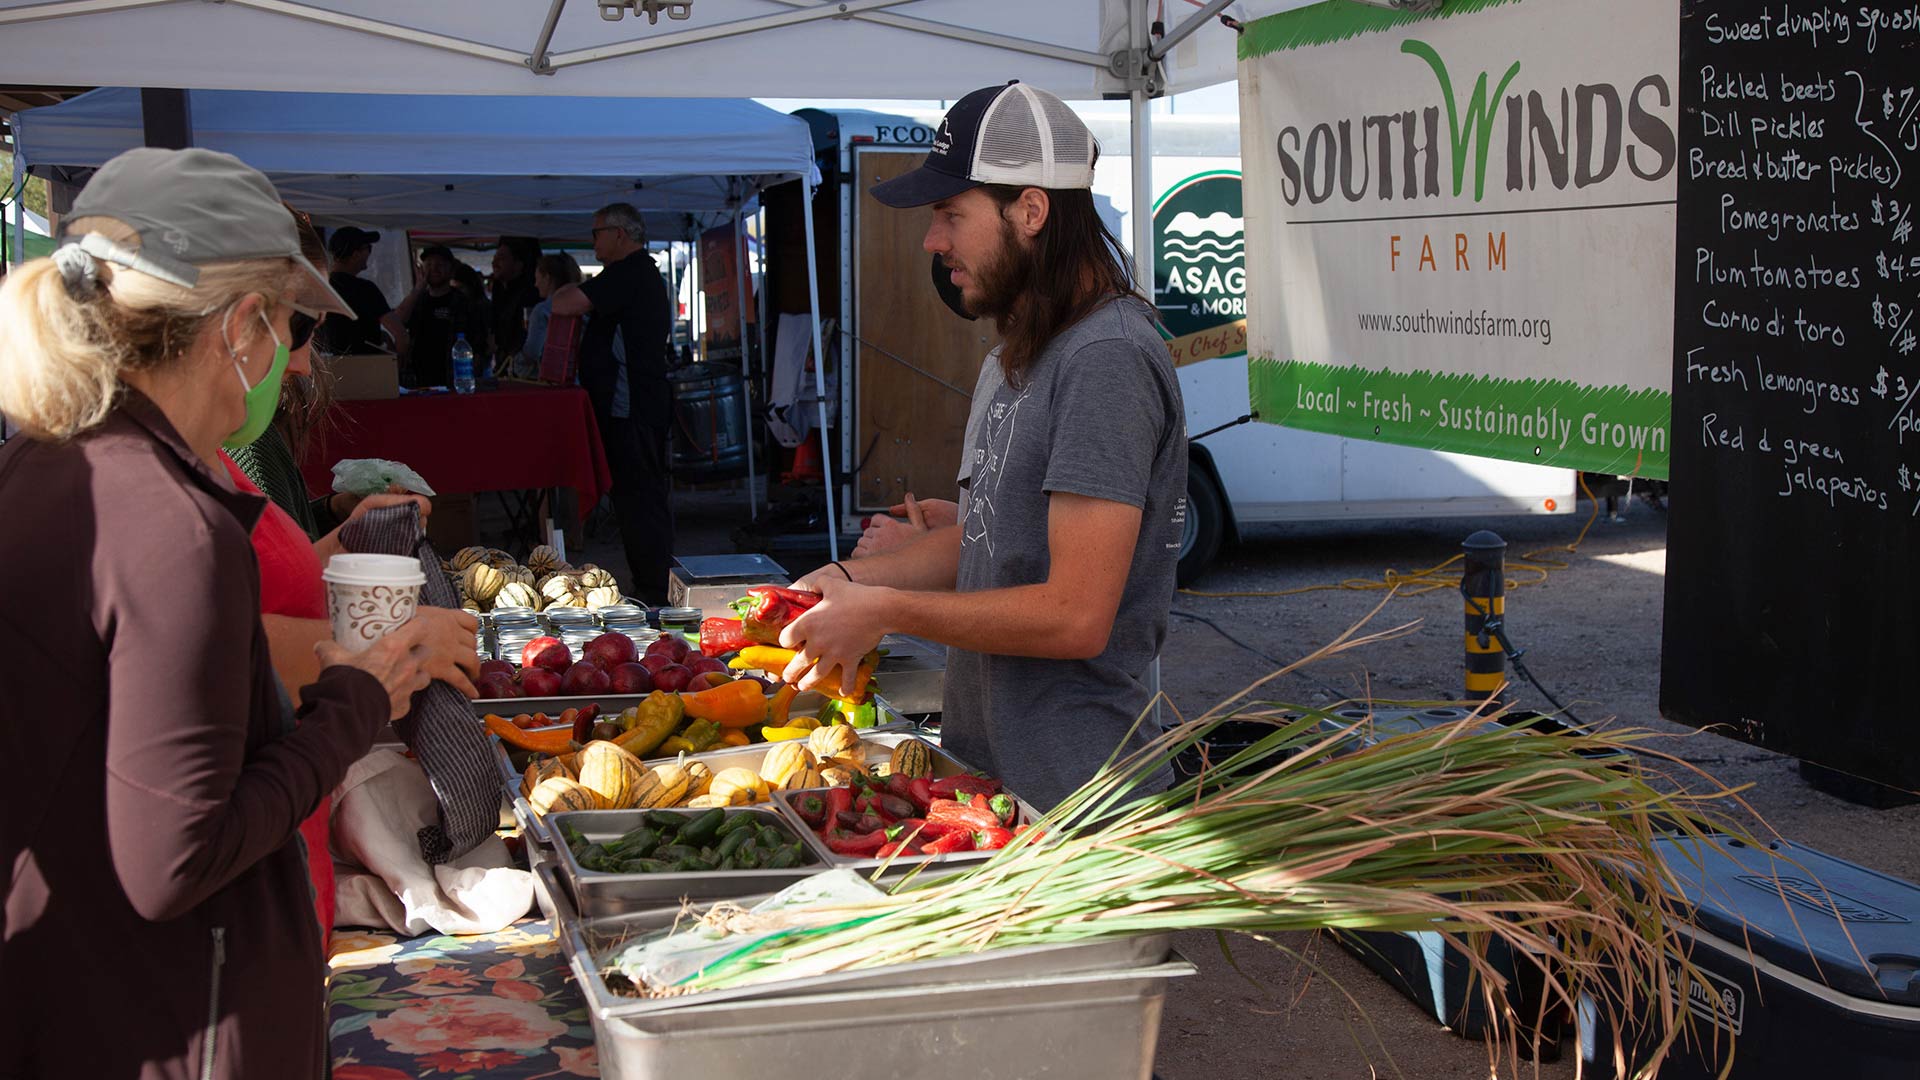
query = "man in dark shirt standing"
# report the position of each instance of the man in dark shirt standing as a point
(623, 366)
(513, 296)
(373, 319)
(435, 312)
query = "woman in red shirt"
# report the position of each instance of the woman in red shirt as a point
(293, 599)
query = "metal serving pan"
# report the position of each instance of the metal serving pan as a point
(879, 748)
(533, 827)
(588, 941)
(596, 893)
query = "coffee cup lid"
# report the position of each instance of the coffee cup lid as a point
(374, 570)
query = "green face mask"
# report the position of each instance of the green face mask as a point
(263, 397)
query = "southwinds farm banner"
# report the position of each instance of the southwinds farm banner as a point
(1460, 226)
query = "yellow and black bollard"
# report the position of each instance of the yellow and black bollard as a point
(1483, 585)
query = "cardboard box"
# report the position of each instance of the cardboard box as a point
(364, 378)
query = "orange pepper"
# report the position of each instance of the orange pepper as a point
(736, 704)
(735, 737)
(555, 741)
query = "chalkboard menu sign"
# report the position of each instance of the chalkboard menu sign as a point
(1795, 536)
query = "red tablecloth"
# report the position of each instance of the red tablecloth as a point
(509, 439)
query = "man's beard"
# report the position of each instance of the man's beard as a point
(1001, 284)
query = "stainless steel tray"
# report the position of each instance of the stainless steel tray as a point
(587, 941)
(1102, 1024)
(534, 827)
(597, 893)
(879, 748)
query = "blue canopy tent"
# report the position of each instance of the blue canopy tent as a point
(472, 164)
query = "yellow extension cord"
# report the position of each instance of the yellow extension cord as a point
(1420, 582)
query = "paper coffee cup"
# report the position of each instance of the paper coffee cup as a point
(369, 596)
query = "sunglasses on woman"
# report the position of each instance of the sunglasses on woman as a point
(300, 330)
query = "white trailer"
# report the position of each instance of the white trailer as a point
(911, 364)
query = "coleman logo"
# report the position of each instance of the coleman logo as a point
(1199, 254)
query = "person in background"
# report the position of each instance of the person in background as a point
(435, 312)
(1052, 590)
(373, 323)
(550, 274)
(512, 297)
(154, 870)
(623, 366)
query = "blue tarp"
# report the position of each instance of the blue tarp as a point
(461, 163)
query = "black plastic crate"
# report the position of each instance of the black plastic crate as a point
(1811, 968)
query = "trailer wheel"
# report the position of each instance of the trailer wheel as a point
(1205, 528)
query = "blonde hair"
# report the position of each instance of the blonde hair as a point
(63, 349)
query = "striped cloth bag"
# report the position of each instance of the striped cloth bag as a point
(440, 729)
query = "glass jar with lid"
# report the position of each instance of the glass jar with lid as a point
(684, 621)
(560, 619)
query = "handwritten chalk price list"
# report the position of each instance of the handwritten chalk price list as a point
(1796, 467)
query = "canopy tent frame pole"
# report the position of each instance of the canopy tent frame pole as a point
(1182, 32)
(742, 283)
(820, 370)
(1140, 109)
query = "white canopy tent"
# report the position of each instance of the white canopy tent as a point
(1078, 49)
(461, 164)
(509, 165)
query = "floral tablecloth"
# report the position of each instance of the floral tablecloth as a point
(498, 1005)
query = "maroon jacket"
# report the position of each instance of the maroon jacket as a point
(156, 887)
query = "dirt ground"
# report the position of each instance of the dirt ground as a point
(1306, 1010)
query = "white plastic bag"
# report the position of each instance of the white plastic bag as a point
(670, 957)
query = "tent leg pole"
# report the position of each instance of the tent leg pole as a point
(743, 281)
(1142, 220)
(820, 373)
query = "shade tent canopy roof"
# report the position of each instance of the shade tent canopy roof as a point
(740, 48)
(473, 164)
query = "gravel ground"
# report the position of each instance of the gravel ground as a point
(1305, 1009)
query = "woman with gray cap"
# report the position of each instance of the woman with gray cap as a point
(157, 914)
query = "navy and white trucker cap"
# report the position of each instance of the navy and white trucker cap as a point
(1013, 134)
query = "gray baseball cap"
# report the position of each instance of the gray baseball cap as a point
(193, 207)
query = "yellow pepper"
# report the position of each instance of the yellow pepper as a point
(781, 734)
(654, 719)
(768, 658)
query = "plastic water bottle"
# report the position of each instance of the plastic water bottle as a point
(462, 365)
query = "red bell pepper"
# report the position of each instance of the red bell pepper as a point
(718, 637)
(990, 839)
(812, 808)
(953, 841)
(896, 847)
(767, 609)
(905, 828)
(857, 846)
(892, 807)
(839, 801)
(921, 793)
(971, 817)
(1004, 808)
(900, 784)
(954, 785)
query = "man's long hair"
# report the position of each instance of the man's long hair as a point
(1075, 265)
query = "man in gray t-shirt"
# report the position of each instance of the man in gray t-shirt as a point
(1052, 590)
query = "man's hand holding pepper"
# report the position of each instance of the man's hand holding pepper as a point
(838, 632)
